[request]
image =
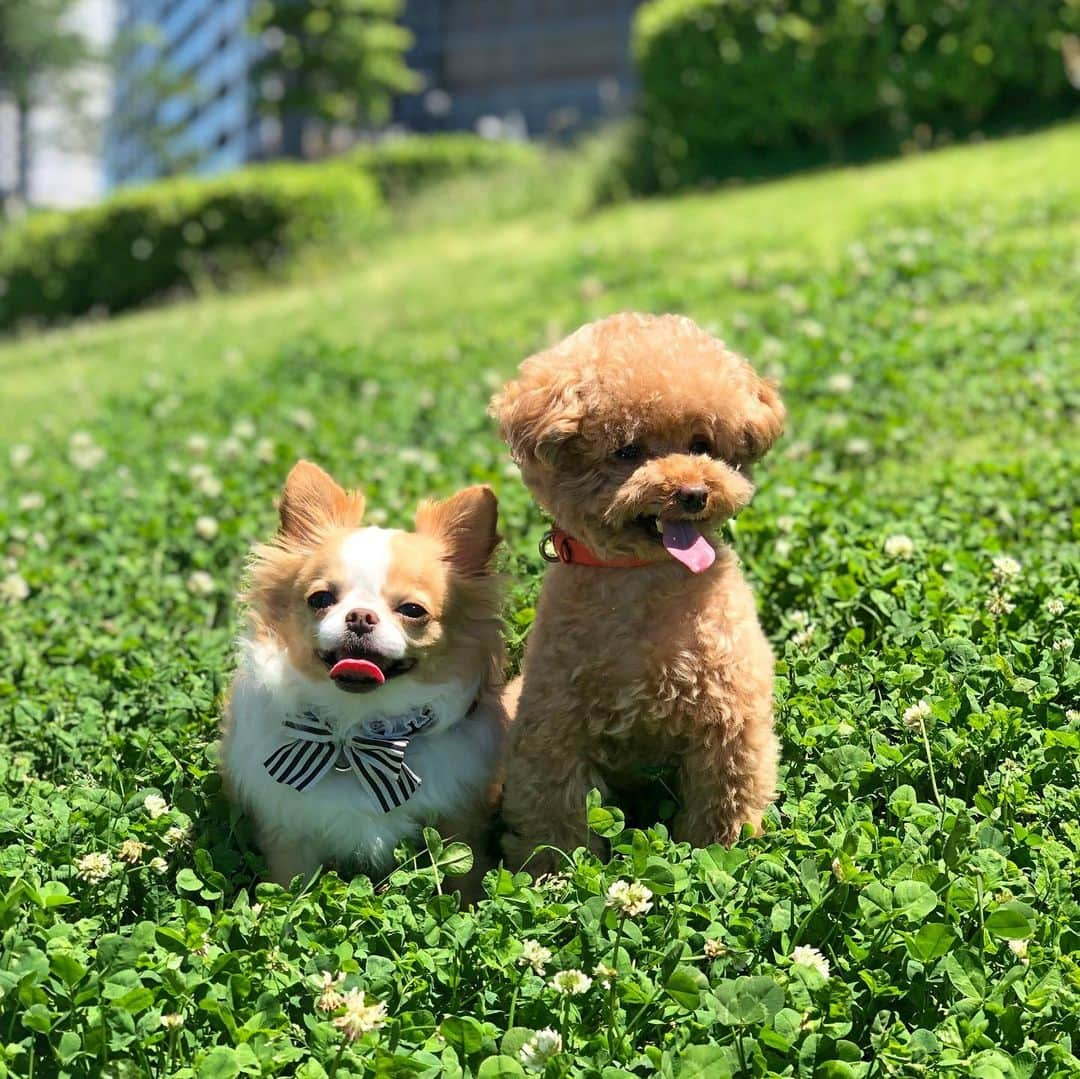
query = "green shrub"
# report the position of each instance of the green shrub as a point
(166, 236)
(402, 165)
(722, 79)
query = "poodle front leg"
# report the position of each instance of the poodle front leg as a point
(725, 783)
(544, 801)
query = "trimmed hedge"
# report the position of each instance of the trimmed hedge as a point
(401, 166)
(167, 236)
(723, 78)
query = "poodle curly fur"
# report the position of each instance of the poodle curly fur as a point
(631, 668)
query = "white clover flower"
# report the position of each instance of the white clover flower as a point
(330, 999)
(200, 583)
(131, 851)
(265, 451)
(1019, 948)
(771, 349)
(785, 524)
(782, 547)
(841, 382)
(230, 448)
(1073, 715)
(630, 898)
(410, 455)
(177, 836)
(14, 589)
(377, 516)
(605, 974)
(361, 445)
(155, 806)
(917, 714)
(172, 1021)
(1065, 644)
(535, 955)
(539, 1049)
(206, 527)
(369, 389)
(80, 440)
(571, 982)
(32, 500)
(197, 444)
(244, 428)
(303, 419)
(714, 948)
(86, 458)
(93, 868)
(805, 956)
(159, 866)
(1006, 568)
(208, 484)
(857, 447)
(20, 455)
(359, 1017)
(998, 604)
(1055, 606)
(813, 329)
(899, 546)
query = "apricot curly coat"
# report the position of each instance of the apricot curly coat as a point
(652, 665)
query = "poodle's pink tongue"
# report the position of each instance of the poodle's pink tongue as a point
(686, 544)
(357, 668)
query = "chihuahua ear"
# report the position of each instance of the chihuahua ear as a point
(764, 422)
(312, 501)
(467, 523)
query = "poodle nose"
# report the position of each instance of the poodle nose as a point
(361, 620)
(692, 499)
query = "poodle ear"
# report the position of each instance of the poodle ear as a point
(467, 524)
(312, 501)
(537, 413)
(764, 422)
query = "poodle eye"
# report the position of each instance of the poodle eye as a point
(629, 452)
(411, 610)
(319, 601)
(701, 447)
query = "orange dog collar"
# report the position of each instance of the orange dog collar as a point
(559, 546)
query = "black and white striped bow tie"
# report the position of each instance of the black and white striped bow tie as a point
(378, 763)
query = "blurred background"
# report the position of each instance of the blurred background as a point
(165, 117)
(102, 93)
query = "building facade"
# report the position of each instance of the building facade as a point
(182, 97)
(538, 67)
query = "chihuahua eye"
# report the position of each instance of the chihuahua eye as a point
(629, 452)
(319, 601)
(701, 447)
(411, 610)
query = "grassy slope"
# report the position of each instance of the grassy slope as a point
(944, 293)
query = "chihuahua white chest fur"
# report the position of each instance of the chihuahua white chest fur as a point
(338, 818)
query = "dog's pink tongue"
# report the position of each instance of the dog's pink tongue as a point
(357, 668)
(685, 543)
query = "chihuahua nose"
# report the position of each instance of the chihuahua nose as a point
(361, 620)
(692, 499)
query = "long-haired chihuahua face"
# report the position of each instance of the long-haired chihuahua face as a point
(406, 603)
(637, 434)
(377, 633)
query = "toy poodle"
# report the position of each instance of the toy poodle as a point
(636, 434)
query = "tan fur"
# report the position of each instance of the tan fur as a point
(445, 565)
(644, 666)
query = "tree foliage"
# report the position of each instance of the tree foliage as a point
(337, 61)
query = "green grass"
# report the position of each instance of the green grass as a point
(924, 316)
